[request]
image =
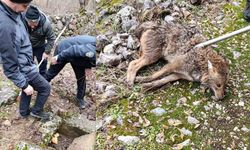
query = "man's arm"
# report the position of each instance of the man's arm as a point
(10, 57)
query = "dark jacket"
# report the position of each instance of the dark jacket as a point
(15, 48)
(41, 33)
(78, 50)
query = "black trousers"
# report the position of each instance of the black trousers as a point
(79, 74)
(38, 53)
(43, 91)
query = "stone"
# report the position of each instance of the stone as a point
(109, 60)
(85, 142)
(129, 140)
(158, 111)
(79, 125)
(193, 120)
(49, 128)
(8, 93)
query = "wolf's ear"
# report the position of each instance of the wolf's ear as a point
(210, 65)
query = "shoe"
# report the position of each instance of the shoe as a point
(246, 12)
(80, 103)
(42, 115)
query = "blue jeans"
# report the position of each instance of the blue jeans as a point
(38, 53)
(79, 73)
(43, 91)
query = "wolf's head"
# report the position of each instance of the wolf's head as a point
(217, 78)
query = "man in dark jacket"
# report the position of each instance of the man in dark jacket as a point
(16, 54)
(41, 34)
(80, 52)
(246, 12)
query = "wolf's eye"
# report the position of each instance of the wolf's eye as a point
(218, 85)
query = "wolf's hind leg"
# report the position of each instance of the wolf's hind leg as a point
(161, 82)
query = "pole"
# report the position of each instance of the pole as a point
(57, 38)
(223, 37)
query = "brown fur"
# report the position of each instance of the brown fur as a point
(175, 44)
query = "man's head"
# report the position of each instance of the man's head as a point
(32, 16)
(17, 5)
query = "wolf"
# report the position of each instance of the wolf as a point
(175, 43)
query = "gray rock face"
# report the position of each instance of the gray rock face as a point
(49, 128)
(126, 16)
(129, 140)
(109, 59)
(85, 142)
(7, 93)
(78, 125)
(27, 146)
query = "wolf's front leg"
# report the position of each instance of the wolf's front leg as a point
(167, 69)
(133, 67)
(161, 82)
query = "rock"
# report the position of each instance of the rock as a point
(158, 111)
(100, 87)
(85, 142)
(132, 43)
(169, 19)
(59, 25)
(109, 49)
(7, 123)
(185, 132)
(124, 52)
(148, 4)
(236, 54)
(193, 120)
(181, 145)
(119, 120)
(78, 125)
(7, 93)
(108, 120)
(109, 60)
(245, 129)
(49, 128)
(247, 85)
(26, 146)
(127, 17)
(129, 140)
(109, 94)
(101, 42)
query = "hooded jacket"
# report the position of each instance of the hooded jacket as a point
(15, 48)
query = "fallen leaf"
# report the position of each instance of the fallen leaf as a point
(54, 139)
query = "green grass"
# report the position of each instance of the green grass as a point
(213, 122)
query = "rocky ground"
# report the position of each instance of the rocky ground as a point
(179, 115)
(69, 128)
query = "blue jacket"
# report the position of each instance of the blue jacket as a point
(15, 48)
(78, 50)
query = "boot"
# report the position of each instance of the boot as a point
(80, 103)
(246, 12)
(195, 2)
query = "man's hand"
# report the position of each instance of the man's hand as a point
(45, 56)
(54, 60)
(29, 90)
